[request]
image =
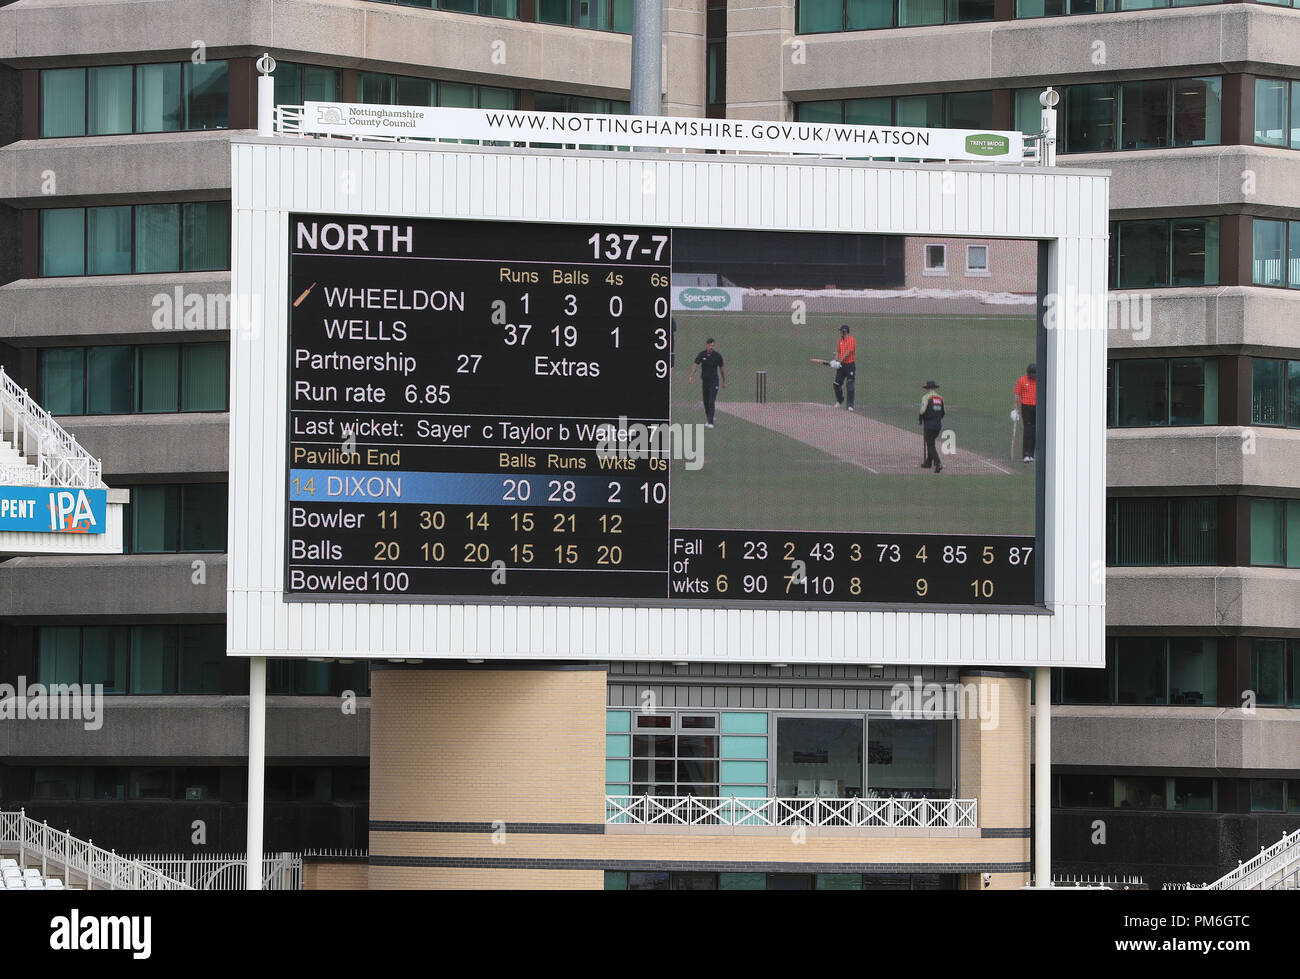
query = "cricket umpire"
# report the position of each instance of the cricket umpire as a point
(846, 367)
(709, 362)
(931, 418)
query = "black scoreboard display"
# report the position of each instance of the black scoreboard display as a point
(485, 409)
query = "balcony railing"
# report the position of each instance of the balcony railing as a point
(648, 810)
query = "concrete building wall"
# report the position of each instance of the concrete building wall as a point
(1055, 50)
(97, 309)
(343, 33)
(1220, 457)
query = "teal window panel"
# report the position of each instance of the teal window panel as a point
(839, 882)
(618, 771)
(611, 789)
(618, 720)
(734, 747)
(744, 722)
(615, 880)
(744, 771)
(742, 882)
(744, 791)
(618, 745)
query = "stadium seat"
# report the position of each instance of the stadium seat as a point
(32, 872)
(8, 862)
(54, 884)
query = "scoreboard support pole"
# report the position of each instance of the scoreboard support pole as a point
(1043, 777)
(257, 665)
(256, 768)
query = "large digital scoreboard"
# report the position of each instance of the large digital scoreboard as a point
(522, 410)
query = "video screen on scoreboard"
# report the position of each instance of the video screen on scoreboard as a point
(656, 415)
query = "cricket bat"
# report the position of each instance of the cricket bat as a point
(298, 302)
(814, 360)
(1015, 424)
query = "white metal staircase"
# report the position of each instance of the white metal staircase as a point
(31, 439)
(35, 450)
(1275, 868)
(79, 863)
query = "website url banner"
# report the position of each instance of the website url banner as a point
(664, 132)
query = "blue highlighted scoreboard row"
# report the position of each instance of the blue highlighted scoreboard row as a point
(476, 489)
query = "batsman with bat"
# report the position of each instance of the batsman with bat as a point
(846, 367)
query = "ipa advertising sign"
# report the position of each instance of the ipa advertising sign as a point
(665, 132)
(52, 510)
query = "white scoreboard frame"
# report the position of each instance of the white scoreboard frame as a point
(1067, 208)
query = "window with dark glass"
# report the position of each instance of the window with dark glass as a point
(1275, 533)
(1085, 791)
(486, 8)
(1164, 252)
(139, 659)
(825, 16)
(1275, 392)
(169, 519)
(1275, 253)
(118, 99)
(1155, 531)
(908, 758)
(297, 83)
(600, 15)
(1149, 114)
(1267, 795)
(820, 756)
(1179, 670)
(1277, 112)
(953, 110)
(306, 678)
(1089, 118)
(375, 88)
(1140, 671)
(121, 380)
(679, 758)
(1194, 794)
(1197, 111)
(1139, 792)
(125, 239)
(1275, 672)
(1057, 8)
(1080, 686)
(1165, 391)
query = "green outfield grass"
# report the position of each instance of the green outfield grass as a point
(756, 478)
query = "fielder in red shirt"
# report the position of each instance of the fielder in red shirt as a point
(1026, 405)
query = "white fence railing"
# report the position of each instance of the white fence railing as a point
(28, 427)
(227, 871)
(1093, 882)
(77, 861)
(1274, 867)
(648, 810)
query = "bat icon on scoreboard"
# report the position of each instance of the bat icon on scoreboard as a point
(298, 302)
